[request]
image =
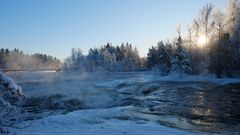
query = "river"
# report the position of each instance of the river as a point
(189, 105)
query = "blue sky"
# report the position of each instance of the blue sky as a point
(55, 26)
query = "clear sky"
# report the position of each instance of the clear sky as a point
(55, 26)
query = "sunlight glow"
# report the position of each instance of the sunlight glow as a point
(202, 40)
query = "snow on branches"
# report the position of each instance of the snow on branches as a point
(10, 115)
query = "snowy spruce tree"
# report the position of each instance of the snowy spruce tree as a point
(159, 58)
(164, 59)
(181, 62)
(152, 58)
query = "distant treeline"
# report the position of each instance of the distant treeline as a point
(15, 59)
(107, 57)
(211, 46)
(124, 58)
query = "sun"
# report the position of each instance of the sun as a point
(202, 40)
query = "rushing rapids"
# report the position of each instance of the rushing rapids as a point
(192, 105)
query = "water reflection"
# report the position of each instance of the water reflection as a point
(200, 112)
(211, 108)
(186, 105)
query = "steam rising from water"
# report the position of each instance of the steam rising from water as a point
(186, 105)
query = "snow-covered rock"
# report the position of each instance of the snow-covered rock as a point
(10, 85)
(10, 115)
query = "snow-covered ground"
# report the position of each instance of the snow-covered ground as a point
(201, 78)
(130, 104)
(97, 122)
(151, 76)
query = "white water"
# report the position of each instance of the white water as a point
(124, 103)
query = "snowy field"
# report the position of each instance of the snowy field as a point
(129, 104)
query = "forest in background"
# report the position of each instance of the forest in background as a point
(15, 59)
(211, 45)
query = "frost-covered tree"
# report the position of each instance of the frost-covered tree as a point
(131, 60)
(194, 32)
(217, 57)
(220, 24)
(152, 57)
(225, 49)
(206, 20)
(72, 62)
(233, 19)
(2, 58)
(10, 115)
(94, 59)
(181, 62)
(16, 59)
(164, 59)
(190, 39)
(202, 25)
(108, 60)
(159, 58)
(233, 28)
(68, 64)
(78, 59)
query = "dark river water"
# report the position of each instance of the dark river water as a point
(190, 105)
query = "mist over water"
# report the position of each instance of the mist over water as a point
(198, 106)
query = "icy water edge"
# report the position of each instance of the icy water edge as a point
(189, 105)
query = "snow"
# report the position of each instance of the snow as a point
(11, 85)
(93, 90)
(10, 115)
(96, 121)
(155, 76)
(114, 83)
(191, 78)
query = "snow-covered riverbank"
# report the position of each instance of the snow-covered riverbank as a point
(97, 122)
(130, 104)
